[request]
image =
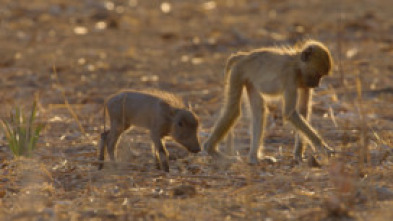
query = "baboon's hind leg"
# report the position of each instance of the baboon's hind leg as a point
(229, 114)
(258, 110)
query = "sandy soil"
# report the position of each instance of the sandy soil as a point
(80, 52)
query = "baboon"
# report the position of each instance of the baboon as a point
(162, 113)
(289, 73)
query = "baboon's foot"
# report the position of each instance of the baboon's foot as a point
(214, 152)
(219, 155)
(209, 148)
(222, 158)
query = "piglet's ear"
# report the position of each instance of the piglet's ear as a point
(187, 104)
(306, 54)
(166, 109)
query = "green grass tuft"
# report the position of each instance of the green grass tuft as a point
(22, 133)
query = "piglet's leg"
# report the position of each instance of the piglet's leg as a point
(156, 156)
(113, 137)
(161, 152)
(103, 142)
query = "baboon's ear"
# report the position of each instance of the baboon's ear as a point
(306, 54)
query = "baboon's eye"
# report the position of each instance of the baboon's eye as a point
(180, 124)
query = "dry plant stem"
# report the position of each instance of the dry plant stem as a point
(364, 155)
(66, 101)
(344, 86)
(339, 52)
(339, 49)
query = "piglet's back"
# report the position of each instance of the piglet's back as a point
(171, 99)
(140, 108)
(146, 97)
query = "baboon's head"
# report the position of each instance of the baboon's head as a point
(184, 130)
(316, 63)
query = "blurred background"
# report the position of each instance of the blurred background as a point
(81, 51)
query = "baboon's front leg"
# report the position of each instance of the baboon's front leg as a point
(258, 110)
(291, 114)
(304, 107)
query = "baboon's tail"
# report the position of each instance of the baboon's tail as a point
(230, 62)
(234, 84)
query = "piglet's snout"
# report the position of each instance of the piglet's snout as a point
(195, 149)
(193, 146)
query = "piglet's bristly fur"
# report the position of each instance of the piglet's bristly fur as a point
(162, 113)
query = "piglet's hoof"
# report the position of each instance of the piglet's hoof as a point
(313, 162)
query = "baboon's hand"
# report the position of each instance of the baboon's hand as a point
(214, 152)
(209, 148)
(218, 155)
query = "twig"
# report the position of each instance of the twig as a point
(339, 48)
(66, 101)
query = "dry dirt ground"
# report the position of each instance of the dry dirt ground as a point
(81, 51)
